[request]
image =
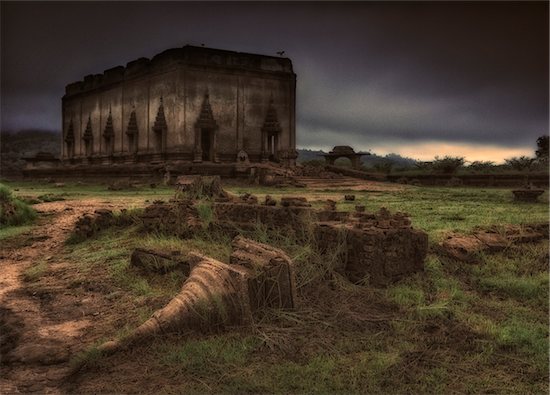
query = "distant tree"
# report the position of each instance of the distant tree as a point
(384, 166)
(482, 166)
(424, 166)
(448, 164)
(520, 163)
(542, 149)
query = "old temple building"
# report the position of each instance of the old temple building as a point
(185, 105)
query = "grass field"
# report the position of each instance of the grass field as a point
(455, 328)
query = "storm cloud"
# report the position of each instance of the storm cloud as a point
(369, 74)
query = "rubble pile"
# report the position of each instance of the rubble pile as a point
(377, 248)
(89, 224)
(467, 248)
(177, 217)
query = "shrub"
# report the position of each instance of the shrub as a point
(482, 166)
(424, 166)
(384, 166)
(12, 210)
(448, 164)
(520, 163)
(542, 149)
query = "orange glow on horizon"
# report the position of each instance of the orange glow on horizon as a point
(427, 151)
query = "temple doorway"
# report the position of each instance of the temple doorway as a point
(206, 144)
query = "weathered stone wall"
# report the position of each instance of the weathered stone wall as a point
(240, 89)
(180, 218)
(379, 248)
(243, 216)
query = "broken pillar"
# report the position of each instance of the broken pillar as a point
(272, 280)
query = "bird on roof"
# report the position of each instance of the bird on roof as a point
(281, 53)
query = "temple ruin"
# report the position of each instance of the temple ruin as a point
(193, 105)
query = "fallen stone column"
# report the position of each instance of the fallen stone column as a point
(273, 283)
(217, 294)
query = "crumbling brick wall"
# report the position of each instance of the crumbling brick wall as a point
(178, 217)
(242, 216)
(380, 248)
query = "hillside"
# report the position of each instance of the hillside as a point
(17, 145)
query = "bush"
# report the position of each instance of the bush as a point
(12, 210)
(448, 164)
(384, 166)
(482, 166)
(542, 150)
(520, 163)
(424, 166)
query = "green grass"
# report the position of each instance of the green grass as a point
(207, 357)
(454, 328)
(13, 212)
(34, 272)
(77, 190)
(12, 231)
(51, 197)
(440, 210)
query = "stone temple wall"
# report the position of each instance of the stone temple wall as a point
(190, 104)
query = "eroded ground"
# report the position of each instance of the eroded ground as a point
(48, 320)
(454, 328)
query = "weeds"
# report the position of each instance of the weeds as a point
(206, 213)
(204, 358)
(51, 197)
(88, 359)
(34, 272)
(13, 212)
(455, 328)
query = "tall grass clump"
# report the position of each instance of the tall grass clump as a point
(13, 212)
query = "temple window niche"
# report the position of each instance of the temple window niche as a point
(132, 132)
(160, 129)
(88, 138)
(109, 135)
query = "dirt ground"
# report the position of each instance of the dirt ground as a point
(402, 338)
(44, 325)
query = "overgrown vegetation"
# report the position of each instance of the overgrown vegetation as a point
(456, 328)
(13, 212)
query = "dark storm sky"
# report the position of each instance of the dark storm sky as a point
(466, 78)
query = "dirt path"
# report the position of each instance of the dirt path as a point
(43, 322)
